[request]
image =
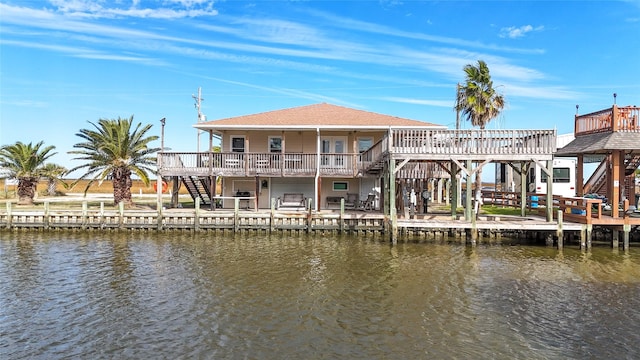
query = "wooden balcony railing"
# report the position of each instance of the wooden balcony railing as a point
(608, 120)
(252, 164)
(473, 142)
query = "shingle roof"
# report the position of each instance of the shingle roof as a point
(602, 143)
(311, 116)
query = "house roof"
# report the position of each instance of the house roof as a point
(602, 143)
(323, 116)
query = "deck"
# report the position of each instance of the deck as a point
(417, 145)
(615, 119)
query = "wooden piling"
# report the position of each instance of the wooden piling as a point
(560, 232)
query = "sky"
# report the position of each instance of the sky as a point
(66, 63)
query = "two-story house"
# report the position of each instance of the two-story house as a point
(321, 151)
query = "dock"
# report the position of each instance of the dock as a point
(416, 227)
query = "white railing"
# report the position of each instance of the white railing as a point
(473, 141)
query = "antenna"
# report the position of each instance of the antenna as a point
(198, 103)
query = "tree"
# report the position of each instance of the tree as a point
(479, 102)
(115, 150)
(25, 163)
(52, 173)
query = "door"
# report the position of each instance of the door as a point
(331, 147)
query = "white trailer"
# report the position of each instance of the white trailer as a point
(564, 178)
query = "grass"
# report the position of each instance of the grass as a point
(8, 194)
(106, 187)
(484, 210)
(499, 210)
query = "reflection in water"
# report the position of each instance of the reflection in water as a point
(184, 295)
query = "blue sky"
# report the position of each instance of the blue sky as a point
(64, 63)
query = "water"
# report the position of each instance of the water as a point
(184, 296)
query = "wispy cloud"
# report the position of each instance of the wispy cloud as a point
(542, 92)
(279, 44)
(85, 53)
(169, 9)
(437, 103)
(357, 25)
(514, 32)
(288, 92)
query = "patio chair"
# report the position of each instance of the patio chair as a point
(368, 204)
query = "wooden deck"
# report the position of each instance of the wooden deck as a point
(413, 144)
(617, 118)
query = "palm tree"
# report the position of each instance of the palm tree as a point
(25, 162)
(53, 173)
(479, 103)
(114, 150)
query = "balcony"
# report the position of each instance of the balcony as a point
(609, 120)
(257, 164)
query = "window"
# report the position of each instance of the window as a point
(275, 144)
(237, 144)
(364, 143)
(560, 175)
(340, 186)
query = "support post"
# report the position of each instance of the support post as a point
(474, 230)
(121, 213)
(524, 169)
(625, 241)
(174, 191)
(309, 214)
(560, 232)
(196, 220)
(46, 214)
(615, 172)
(212, 191)
(392, 201)
(469, 193)
(341, 220)
(85, 214)
(9, 215)
(454, 190)
(272, 216)
(236, 214)
(615, 238)
(549, 208)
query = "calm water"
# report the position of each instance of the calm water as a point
(185, 296)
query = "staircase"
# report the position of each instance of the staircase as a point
(598, 180)
(198, 187)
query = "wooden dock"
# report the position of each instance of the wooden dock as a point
(408, 228)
